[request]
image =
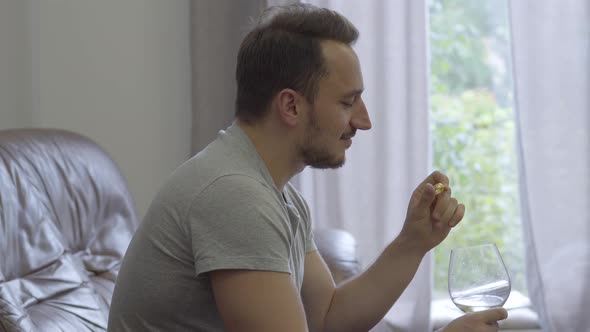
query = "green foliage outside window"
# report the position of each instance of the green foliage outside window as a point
(472, 128)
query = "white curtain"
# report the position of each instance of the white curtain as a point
(551, 48)
(369, 195)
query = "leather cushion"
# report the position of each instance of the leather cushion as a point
(338, 249)
(66, 219)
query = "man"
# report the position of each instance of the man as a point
(227, 242)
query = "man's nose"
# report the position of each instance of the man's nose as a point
(360, 118)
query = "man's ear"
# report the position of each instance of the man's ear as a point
(289, 106)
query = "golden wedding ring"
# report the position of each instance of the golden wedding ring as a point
(439, 188)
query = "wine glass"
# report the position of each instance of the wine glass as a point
(478, 278)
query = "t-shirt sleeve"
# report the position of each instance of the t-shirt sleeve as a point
(239, 223)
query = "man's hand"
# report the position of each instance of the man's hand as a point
(481, 321)
(430, 217)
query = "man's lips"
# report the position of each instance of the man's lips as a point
(348, 136)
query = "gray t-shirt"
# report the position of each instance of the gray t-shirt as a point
(218, 210)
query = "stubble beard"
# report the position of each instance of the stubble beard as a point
(314, 155)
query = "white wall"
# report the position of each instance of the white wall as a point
(117, 71)
(15, 108)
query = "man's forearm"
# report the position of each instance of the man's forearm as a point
(361, 303)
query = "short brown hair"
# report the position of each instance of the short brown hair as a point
(284, 51)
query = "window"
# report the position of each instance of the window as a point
(472, 129)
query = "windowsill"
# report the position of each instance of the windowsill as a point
(521, 316)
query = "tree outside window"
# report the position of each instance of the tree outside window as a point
(472, 128)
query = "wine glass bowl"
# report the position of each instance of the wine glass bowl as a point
(478, 278)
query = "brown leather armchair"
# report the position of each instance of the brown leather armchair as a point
(66, 219)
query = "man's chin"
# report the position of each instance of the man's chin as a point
(323, 159)
(327, 164)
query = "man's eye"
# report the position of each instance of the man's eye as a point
(346, 104)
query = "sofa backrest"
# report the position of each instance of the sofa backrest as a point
(66, 219)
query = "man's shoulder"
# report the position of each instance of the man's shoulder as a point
(195, 181)
(237, 188)
(219, 160)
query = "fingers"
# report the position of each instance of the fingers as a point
(427, 197)
(497, 314)
(436, 177)
(491, 316)
(453, 214)
(448, 213)
(447, 210)
(457, 216)
(422, 199)
(442, 204)
(485, 320)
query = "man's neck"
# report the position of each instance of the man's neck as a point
(276, 149)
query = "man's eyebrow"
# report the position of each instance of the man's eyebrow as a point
(353, 93)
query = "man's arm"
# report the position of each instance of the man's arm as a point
(360, 303)
(269, 301)
(257, 301)
(238, 231)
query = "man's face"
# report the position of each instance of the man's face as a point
(338, 110)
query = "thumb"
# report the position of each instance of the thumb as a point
(492, 315)
(427, 197)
